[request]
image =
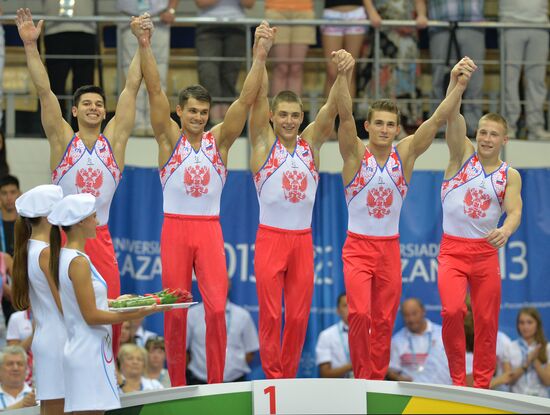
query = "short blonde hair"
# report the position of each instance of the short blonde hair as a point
(493, 116)
(384, 105)
(130, 348)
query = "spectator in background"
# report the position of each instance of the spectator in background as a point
(242, 343)
(527, 357)
(126, 333)
(472, 44)
(527, 48)
(398, 78)
(166, 11)
(2, 62)
(156, 359)
(332, 350)
(69, 38)
(20, 332)
(215, 41)
(9, 191)
(417, 352)
(350, 38)
(14, 392)
(4, 167)
(139, 334)
(291, 43)
(132, 360)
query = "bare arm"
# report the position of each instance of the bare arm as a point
(372, 13)
(120, 127)
(318, 132)
(261, 133)
(202, 4)
(248, 4)
(512, 206)
(415, 145)
(327, 371)
(543, 371)
(421, 14)
(44, 261)
(459, 145)
(236, 115)
(80, 275)
(162, 123)
(56, 128)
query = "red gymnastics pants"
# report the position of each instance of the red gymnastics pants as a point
(187, 243)
(283, 263)
(372, 274)
(102, 254)
(472, 262)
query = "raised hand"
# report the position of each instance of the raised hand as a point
(343, 60)
(263, 39)
(464, 66)
(28, 32)
(142, 26)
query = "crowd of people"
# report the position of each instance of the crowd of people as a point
(220, 49)
(64, 268)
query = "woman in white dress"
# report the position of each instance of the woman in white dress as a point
(88, 363)
(33, 286)
(527, 357)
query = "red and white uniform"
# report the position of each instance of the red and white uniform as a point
(192, 183)
(372, 261)
(472, 206)
(96, 172)
(286, 186)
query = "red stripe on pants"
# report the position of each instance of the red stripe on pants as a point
(462, 263)
(102, 254)
(283, 263)
(372, 274)
(195, 242)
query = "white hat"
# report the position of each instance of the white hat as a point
(39, 201)
(72, 209)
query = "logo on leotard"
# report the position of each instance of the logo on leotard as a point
(379, 201)
(107, 348)
(89, 180)
(294, 185)
(196, 179)
(476, 202)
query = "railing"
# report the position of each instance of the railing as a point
(248, 24)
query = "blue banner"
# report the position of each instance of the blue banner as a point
(136, 220)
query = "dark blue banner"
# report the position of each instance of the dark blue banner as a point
(136, 220)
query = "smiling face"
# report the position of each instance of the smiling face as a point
(90, 110)
(193, 116)
(491, 136)
(287, 118)
(383, 127)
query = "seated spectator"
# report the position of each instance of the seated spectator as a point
(14, 392)
(527, 357)
(332, 350)
(156, 359)
(139, 334)
(20, 333)
(417, 352)
(126, 333)
(242, 343)
(216, 41)
(131, 362)
(291, 43)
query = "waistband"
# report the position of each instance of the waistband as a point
(287, 231)
(372, 237)
(191, 217)
(465, 240)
